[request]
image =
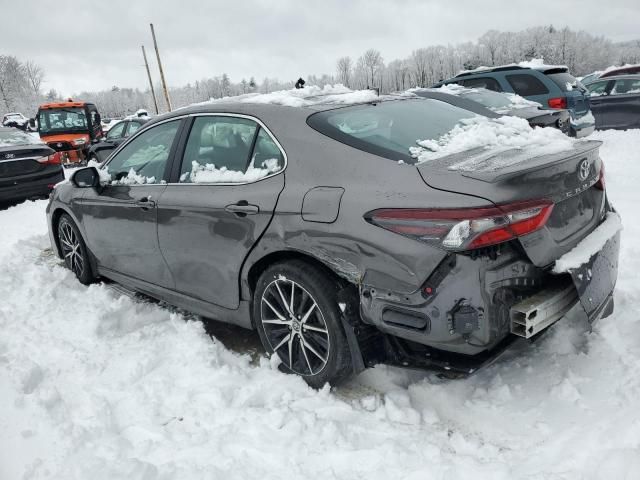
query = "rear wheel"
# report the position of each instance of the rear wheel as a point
(296, 312)
(74, 251)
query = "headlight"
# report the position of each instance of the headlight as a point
(80, 141)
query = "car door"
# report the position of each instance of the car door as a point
(114, 138)
(221, 199)
(599, 101)
(120, 218)
(623, 103)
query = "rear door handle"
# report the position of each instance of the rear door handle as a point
(242, 208)
(146, 203)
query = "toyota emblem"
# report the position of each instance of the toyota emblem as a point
(59, 145)
(583, 170)
(9, 155)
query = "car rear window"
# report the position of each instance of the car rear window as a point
(482, 82)
(565, 81)
(526, 85)
(15, 137)
(389, 128)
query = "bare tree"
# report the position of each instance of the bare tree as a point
(35, 76)
(373, 63)
(344, 65)
(420, 63)
(12, 81)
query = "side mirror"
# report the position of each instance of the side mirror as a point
(32, 122)
(86, 178)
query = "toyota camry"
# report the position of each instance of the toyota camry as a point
(327, 224)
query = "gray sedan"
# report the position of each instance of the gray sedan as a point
(316, 226)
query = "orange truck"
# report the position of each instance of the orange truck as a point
(69, 128)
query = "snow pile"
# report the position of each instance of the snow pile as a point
(133, 178)
(538, 64)
(494, 135)
(590, 245)
(208, 173)
(95, 385)
(305, 97)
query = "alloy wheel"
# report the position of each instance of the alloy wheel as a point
(71, 248)
(295, 327)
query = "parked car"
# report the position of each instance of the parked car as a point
(301, 222)
(551, 86)
(610, 72)
(117, 133)
(504, 104)
(16, 120)
(615, 102)
(28, 168)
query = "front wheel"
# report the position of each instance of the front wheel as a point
(297, 315)
(74, 251)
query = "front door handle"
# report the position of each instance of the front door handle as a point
(146, 203)
(242, 208)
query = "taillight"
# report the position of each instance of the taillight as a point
(558, 102)
(600, 184)
(464, 229)
(53, 159)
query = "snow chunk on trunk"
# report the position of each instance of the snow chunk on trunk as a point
(590, 245)
(495, 134)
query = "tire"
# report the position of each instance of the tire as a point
(74, 250)
(312, 342)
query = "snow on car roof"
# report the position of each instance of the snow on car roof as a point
(306, 97)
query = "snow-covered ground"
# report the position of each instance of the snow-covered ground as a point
(94, 385)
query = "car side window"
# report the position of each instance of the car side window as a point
(526, 85)
(133, 128)
(483, 82)
(143, 160)
(117, 131)
(219, 150)
(626, 86)
(598, 88)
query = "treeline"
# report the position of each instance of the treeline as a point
(582, 52)
(20, 85)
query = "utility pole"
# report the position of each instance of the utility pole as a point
(153, 92)
(164, 83)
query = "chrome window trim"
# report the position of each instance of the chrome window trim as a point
(247, 117)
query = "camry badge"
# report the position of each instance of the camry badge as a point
(9, 155)
(583, 170)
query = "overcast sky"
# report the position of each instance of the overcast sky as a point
(92, 45)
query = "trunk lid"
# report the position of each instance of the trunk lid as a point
(505, 177)
(22, 160)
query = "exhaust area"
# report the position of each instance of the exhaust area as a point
(534, 314)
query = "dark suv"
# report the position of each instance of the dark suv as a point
(551, 86)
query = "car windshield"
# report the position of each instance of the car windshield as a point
(389, 128)
(59, 120)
